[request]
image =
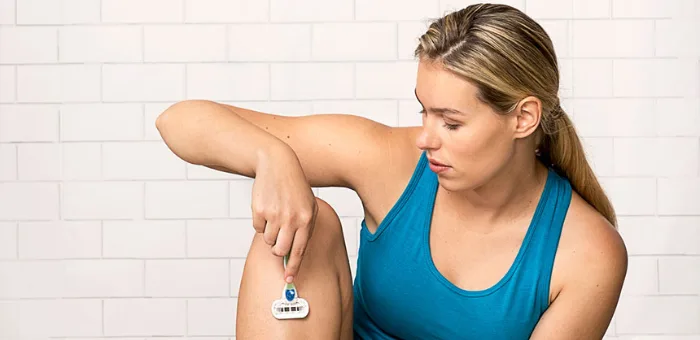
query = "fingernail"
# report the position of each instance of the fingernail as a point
(290, 279)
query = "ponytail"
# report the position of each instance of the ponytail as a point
(561, 149)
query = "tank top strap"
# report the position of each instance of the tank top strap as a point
(538, 261)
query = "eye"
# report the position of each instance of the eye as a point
(451, 126)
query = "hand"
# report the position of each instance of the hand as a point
(284, 207)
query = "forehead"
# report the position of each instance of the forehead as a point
(438, 86)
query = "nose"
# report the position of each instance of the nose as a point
(427, 139)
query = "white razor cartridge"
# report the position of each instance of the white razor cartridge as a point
(290, 306)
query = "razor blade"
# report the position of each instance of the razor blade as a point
(290, 306)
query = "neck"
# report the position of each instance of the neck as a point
(504, 199)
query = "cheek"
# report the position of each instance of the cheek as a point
(482, 151)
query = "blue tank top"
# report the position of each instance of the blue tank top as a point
(400, 294)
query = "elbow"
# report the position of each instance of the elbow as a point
(176, 112)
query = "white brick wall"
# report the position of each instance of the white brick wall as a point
(104, 233)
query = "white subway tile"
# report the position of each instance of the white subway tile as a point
(344, 201)
(655, 77)
(658, 315)
(648, 8)
(92, 44)
(7, 84)
(241, 199)
(144, 317)
(170, 278)
(186, 199)
(558, 32)
(219, 238)
(382, 111)
(631, 196)
(41, 319)
(311, 10)
(613, 39)
(142, 11)
(348, 41)
(679, 196)
(236, 270)
(408, 35)
(642, 276)
(27, 279)
(100, 278)
(58, 83)
(617, 117)
(7, 12)
(600, 154)
(81, 161)
(80, 11)
(211, 316)
(678, 156)
(39, 162)
(59, 240)
(677, 117)
(350, 234)
(28, 45)
(679, 275)
(29, 201)
(395, 10)
(592, 78)
(143, 82)
(409, 113)
(38, 12)
(312, 81)
(591, 9)
(28, 123)
(269, 42)
(101, 122)
(143, 239)
(102, 200)
(141, 160)
(201, 11)
(635, 156)
(677, 38)
(284, 108)
(385, 80)
(8, 162)
(550, 9)
(8, 240)
(185, 43)
(661, 235)
(228, 81)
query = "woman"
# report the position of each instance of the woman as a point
(484, 223)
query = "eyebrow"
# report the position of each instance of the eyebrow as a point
(437, 109)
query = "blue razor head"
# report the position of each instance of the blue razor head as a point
(290, 294)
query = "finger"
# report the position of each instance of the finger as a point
(284, 241)
(270, 233)
(259, 222)
(301, 238)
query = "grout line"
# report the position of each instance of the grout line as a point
(100, 9)
(184, 80)
(103, 317)
(269, 10)
(143, 280)
(58, 45)
(653, 37)
(16, 94)
(143, 44)
(16, 162)
(658, 276)
(187, 317)
(102, 239)
(187, 228)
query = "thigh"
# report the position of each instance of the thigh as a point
(324, 280)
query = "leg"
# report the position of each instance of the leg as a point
(324, 280)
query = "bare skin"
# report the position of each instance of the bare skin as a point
(483, 207)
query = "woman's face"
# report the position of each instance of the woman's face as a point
(460, 131)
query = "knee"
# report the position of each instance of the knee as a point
(327, 228)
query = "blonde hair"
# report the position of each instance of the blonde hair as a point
(509, 56)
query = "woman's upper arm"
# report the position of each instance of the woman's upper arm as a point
(333, 149)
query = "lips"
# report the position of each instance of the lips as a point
(434, 162)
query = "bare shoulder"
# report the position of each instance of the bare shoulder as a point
(590, 249)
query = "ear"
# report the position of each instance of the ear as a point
(527, 116)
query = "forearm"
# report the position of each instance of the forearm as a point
(207, 133)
